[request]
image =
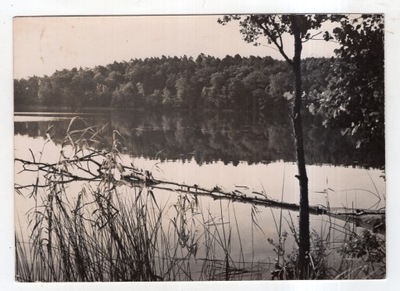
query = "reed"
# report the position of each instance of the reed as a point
(96, 219)
(339, 250)
(89, 224)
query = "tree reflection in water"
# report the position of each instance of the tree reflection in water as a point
(209, 137)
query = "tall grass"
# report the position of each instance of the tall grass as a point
(92, 220)
(339, 250)
(90, 224)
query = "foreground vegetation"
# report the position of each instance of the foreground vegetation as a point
(113, 228)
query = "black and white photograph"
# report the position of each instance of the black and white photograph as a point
(192, 145)
(199, 147)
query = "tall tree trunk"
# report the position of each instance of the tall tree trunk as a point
(304, 221)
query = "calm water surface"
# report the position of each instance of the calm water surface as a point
(247, 153)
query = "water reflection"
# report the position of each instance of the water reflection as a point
(224, 150)
(210, 137)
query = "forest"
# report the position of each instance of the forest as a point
(207, 83)
(231, 83)
(345, 91)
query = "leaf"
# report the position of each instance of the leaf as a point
(289, 96)
(33, 156)
(154, 198)
(337, 30)
(345, 131)
(355, 129)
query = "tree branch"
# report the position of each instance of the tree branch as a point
(274, 40)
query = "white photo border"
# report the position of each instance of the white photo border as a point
(10, 9)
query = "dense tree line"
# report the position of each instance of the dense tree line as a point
(231, 83)
(346, 92)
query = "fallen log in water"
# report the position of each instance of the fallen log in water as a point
(369, 219)
(374, 220)
(137, 177)
(131, 176)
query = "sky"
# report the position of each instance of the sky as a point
(42, 45)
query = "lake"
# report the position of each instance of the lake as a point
(246, 153)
